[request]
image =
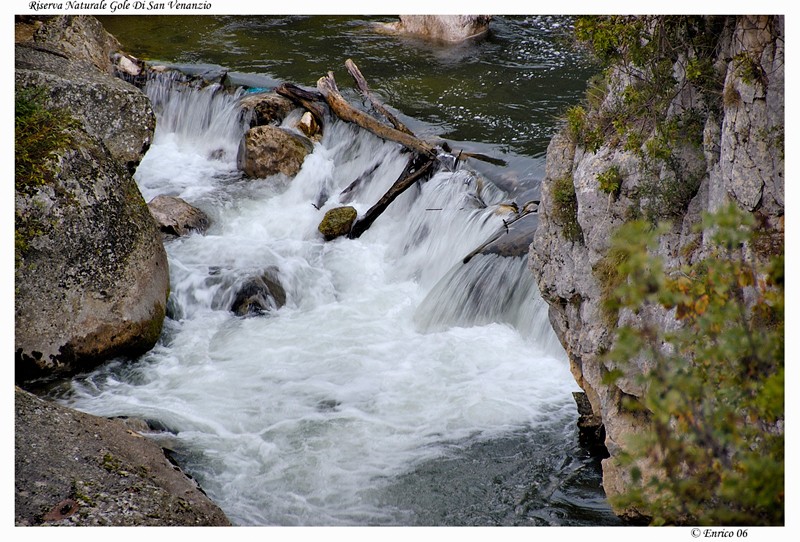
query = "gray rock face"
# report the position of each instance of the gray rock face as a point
(92, 280)
(175, 217)
(80, 38)
(75, 469)
(113, 111)
(268, 150)
(741, 160)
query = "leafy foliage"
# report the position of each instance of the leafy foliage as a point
(654, 59)
(610, 181)
(565, 209)
(715, 393)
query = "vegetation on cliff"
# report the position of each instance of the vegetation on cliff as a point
(694, 309)
(715, 392)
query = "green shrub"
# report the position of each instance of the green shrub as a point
(565, 209)
(610, 181)
(715, 393)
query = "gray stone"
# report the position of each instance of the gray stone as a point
(72, 468)
(741, 159)
(110, 109)
(444, 28)
(175, 217)
(91, 277)
(267, 150)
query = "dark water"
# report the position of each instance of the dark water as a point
(506, 91)
(502, 95)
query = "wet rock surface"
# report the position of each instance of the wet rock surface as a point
(72, 468)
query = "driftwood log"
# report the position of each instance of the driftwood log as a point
(310, 99)
(342, 109)
(361, 83)
(418, 167)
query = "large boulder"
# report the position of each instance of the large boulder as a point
(443, 28)
(91, 276)
(176, 218)
(269, 150)
(72, 468)
(110, 109)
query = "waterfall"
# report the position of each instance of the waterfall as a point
(389, 351)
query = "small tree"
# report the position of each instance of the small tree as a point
(715, 394)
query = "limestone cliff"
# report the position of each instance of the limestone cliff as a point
(726, 146)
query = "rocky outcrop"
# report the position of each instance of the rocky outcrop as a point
(337, 222)
(739, 159)
(269, 150)
(176, 218)
(72, 468)
(71, 57)
(443, 28)
(91, 278)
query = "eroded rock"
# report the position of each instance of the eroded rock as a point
(259, 295)
(72, 468)
(445, 28)
(269, 150)
(175, 217)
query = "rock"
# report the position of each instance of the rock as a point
(308, 125)
(80, 38)
(91, 276)
(337, 222)
(445, 28)
(175, 217)
(268, 150)
(72, 468)
(259, 295)
(266, 108)
(110, 109)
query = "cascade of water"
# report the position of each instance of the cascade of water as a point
(304, 415)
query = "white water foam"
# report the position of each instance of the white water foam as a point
(381, 357)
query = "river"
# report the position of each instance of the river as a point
(398, 385)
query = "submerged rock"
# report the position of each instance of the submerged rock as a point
(337, 222)
(447, 28)
(259, 295)
(175, 217)
(268, 150)
(72, 468)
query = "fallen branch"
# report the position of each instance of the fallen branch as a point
(342, 109)
(361, 82)
(504, 231)
(417, 167)
(309, 99)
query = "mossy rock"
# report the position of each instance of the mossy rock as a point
(337, 222)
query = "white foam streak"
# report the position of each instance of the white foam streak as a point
(301, 416)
